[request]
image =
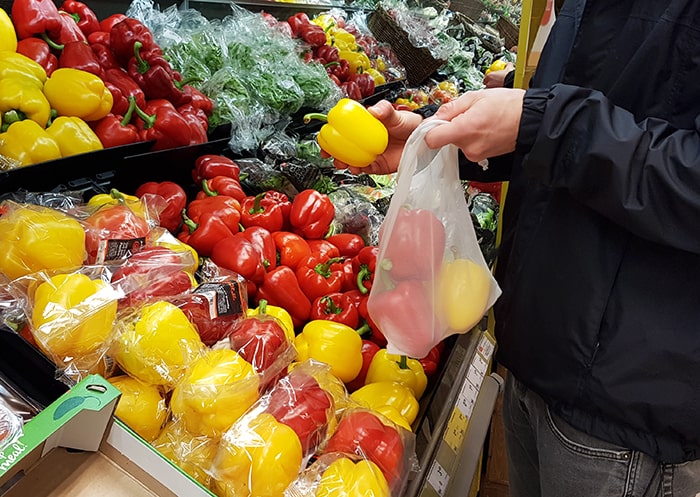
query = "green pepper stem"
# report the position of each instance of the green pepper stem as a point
(262, 306)
(129, 112)
(191, 225)
(362, 275)
(141, 65)
(403, 362)
(148, 120)
(364, 329)
(330, 306)
(257, 207)
(324, 268)
(50, 42)
(207, 190)
(315, 115)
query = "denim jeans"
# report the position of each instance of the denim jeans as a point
(549, 458)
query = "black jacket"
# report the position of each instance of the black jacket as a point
(600, 260)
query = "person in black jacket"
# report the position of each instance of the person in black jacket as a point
(599, 320)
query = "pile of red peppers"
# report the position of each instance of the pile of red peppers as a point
(151, 101)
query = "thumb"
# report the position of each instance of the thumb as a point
(384, 111)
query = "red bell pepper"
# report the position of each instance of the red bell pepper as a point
(36, 17)
(237, 254)
(316, 278)
(208, 166)
(369, 350)
(114, 130)
(362, 433)
(86, 18)
(122, 86)
(160, 121)
(260, 340)
(225, 208)
(431, 362)
(40, 52)
(265, 245)
(155, 75)
(297, 21)
(364, 265)
(340, 69)
(348, 244)
(291, 248)
(417, 245)
(106, 58)
(327, 53)
(79, 55)
(199, 99)
(222, 185)
(323, 249)
(351, 89)
(414, 323)
(108, 23)
(175, 199)
(313, 34)
(100, 38)
(312, 214)
(125, 34)
(214, 307)
(349, 281)
(376, 334)
(336, 307)
(198, 122)
(204, 234)
(365, 82)
(281, 288)
(70, 31)
(153, 272)
(114, 232)
(268, 209)
(298, 401)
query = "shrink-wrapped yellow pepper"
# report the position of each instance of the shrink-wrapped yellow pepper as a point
(345, 478)
(333, 343)
(35, 238)
(388, 393)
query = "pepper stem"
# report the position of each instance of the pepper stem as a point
(364, 329)
(148, 120)
(324, 268)
(130, 111)
(50, 42)
(207, 190)
(330, 305)
(191, 225)
(257, 204)
(403, 362)
(262, 306)
(141, 65)
(362, 275)
(315, 115)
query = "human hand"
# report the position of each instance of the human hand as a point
(400, 124)
(494, 79)
(482, 123)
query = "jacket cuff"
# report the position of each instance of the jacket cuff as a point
(534, 104)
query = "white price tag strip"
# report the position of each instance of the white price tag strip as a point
(438, 478)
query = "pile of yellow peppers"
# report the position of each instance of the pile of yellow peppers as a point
(45, 118)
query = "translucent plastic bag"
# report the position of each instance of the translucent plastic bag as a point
(431, 280)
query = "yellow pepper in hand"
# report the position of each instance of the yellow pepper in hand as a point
(8, 35)
(388, 393)
(334, 343)
(20, 101)
(72, 317)
(73, 136)
(216, 390)
(35, 238)
(28, 143)
(463, 293)
(351, 134)
(77, 93)
(399, 368)
(257, 458)
(345, 478)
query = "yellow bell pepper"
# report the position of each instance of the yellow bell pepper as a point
(380, 64)
(77, 93)
(19, 101)
(16, 65)
(351, 134)
(157, 345)
(164, 238)
(326, 21)
(393, 415)
(388, 393)
(278, 313)
(216, 390)
(141, 406)
(463, 292)
(28, 143)
(399, 368)
(73, 136)
(345, 478)
(378, 77)
(257, 458)
(35, 238)
(359, 62)
(8, 35)
(72, 317)
(344, 40)
(496, 65)
(115, 197)
(336, 344)
(192, 454)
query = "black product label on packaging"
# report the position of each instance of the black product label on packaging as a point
(224, 298)
(116, 250)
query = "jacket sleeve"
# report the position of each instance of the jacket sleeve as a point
(643, 175)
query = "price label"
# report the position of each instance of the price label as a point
(456, 428)
(438, 478)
